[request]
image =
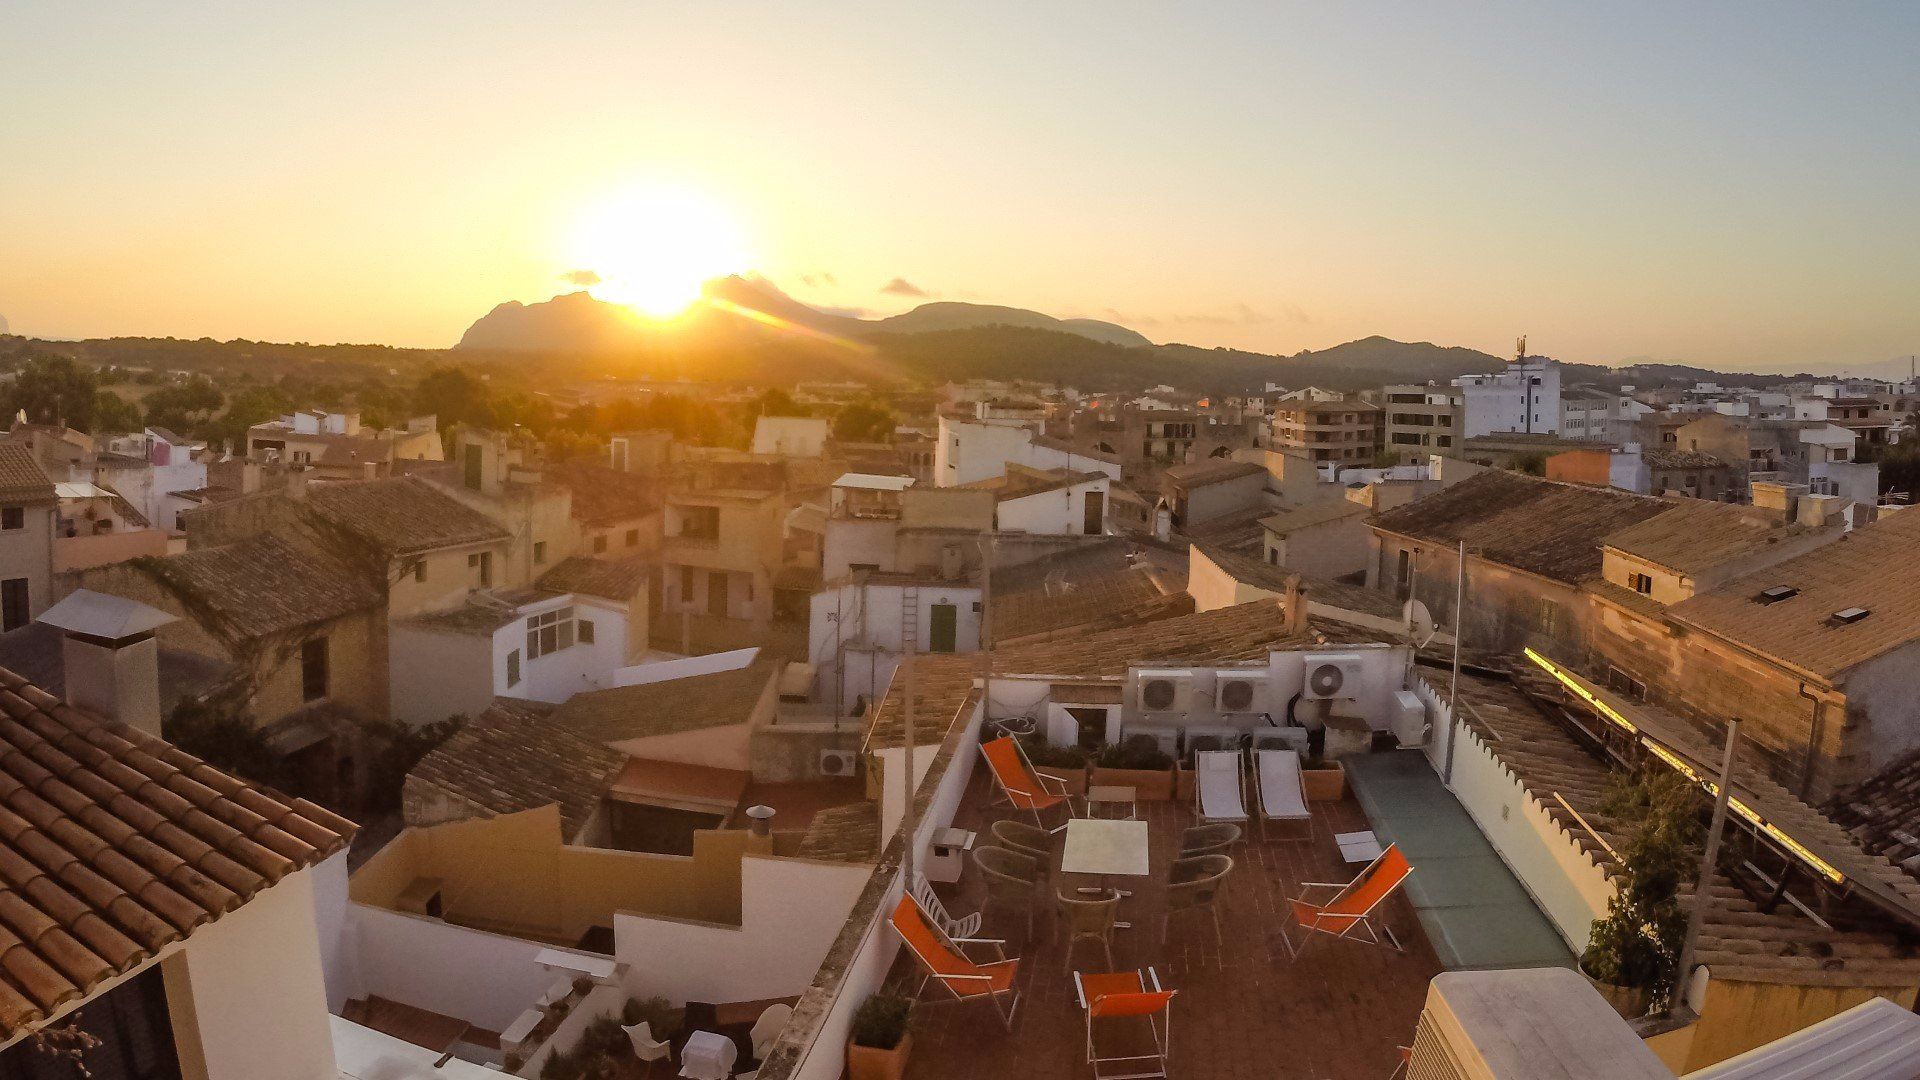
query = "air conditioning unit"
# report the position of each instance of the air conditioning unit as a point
(1239, 694)
(1213, 737)
(839, 762)
(1409, 719)
(1165, 737)
(1163, 691)
(1332, 675)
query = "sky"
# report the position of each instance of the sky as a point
(1732, 185)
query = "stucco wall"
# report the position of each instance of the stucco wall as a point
(437, 674)
(1052, 513)
(28, 552)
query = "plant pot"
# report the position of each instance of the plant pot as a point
(1325, 784)
(1072, 779)
(1149, 785)
(1631, 1002)
(873, 1063)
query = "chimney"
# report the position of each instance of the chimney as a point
(110, 660)
(760, 820)
(1293, 602)
(1779, 500)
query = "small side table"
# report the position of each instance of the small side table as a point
(1358, 847)
(1121, 798)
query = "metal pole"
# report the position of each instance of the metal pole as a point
(906, 754)
(1459, 631)
(1709, 859)
(986, 628)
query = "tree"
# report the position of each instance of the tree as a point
(113, 413)
(455, 397)
(187, 407)
(863, 421)
(249, 405)
(1637, 944)
(53, 390)
(774, 401)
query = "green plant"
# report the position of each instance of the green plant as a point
(663, 1020)
(881, 1021)
(602, 1037)
(562, 1066)
(1044, 754)
(1134, 752)
(1637, 944)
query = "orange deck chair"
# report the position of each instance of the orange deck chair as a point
(1125, 995)
(1351, 911)
(945, 964)
(1020, 786)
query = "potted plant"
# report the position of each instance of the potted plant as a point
(1633, 953)
(1139, 763)
(1067, 764)
(1324, 779)
(878, 1046)
(663, 1019)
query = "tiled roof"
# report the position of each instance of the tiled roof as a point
(669, 707)
(264, 584)
(35, 652)
(114, 845)
(511, 758)
(604, 495)
(402, 515)
(1262, 575)
(1020, 482)
(849, 833)
(21, 478)
(1306, 515)
(1092, 588)
(1872, 568)
(1212, 471)
(1882, 812)
(1696, 535)
(1660, 458)
(1541, 526)
(1622, 597)
(609, 579)
(1739, 941)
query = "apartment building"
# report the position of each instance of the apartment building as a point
(1524, 396)
(336, 447)
(28, 508)
(724, 545)
(1342, 432)
(1422, 421)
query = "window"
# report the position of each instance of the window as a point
(483, 562)
(539, 551)
(633, 537)
(513, 668)
(549, 632)
(14, 596)
(700, 522)
(1642, 583)
(586, 631)
(599, 544)
(13, 517)
(420, 570)
(313, 669)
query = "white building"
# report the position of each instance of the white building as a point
(1524, 396)
(968, 451)
(790, 436)
(858, 629)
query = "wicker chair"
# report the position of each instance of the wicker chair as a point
(1089, 918)
(1030, 840)
(1195, 884)
(1013, 881)
(1208, 839)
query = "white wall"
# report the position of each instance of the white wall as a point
(1052, 513)
(435, 674)
(1497, 402)
(964, 452)
(485, 979)
(873, 617)
(790, 912)
(559, 675)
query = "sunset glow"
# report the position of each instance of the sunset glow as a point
(651, 248)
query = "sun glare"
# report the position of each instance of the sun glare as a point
(653, 248)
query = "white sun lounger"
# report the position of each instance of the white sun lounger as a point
(1220, 785)
(1283, 796)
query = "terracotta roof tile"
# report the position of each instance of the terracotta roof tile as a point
(402, 515)
(510, 758)
(113, 845)
(609, 579)
(21, 478)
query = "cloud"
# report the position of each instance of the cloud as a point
(819, 280)
(902, 287)
(1242, 315)
(848, 312)
(583, 278)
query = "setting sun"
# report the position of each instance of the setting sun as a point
(651, 249)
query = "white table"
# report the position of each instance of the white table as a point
(708, 1055)
(1106, 849)
(1358, 847)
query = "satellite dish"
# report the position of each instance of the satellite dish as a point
(1419, 623)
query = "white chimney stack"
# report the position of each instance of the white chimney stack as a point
(109, 656)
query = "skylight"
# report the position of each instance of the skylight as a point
(1850, 615)
(1777, 594)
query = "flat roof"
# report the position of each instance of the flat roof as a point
(873, 482)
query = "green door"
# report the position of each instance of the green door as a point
(940, 636)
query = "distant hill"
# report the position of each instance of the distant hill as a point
(579, 322)
(4, 328)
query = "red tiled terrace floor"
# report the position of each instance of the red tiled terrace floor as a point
(1245, 1012)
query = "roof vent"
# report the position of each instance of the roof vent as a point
(1777, 594)
(1850, 615)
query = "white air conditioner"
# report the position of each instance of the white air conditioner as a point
(1212, 737)
(1332, 675)
(838, 762)
(1237, 694)
(1164, 736)
(1408, 719)
(1163, 691)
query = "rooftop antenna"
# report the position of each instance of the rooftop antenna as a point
(1520, 349)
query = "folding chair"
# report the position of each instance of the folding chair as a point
(944, 963)
(1283, 794)
(1350, 911)
(1019, 784)
(1220, 787)
(965, 926)
(1124, 995)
